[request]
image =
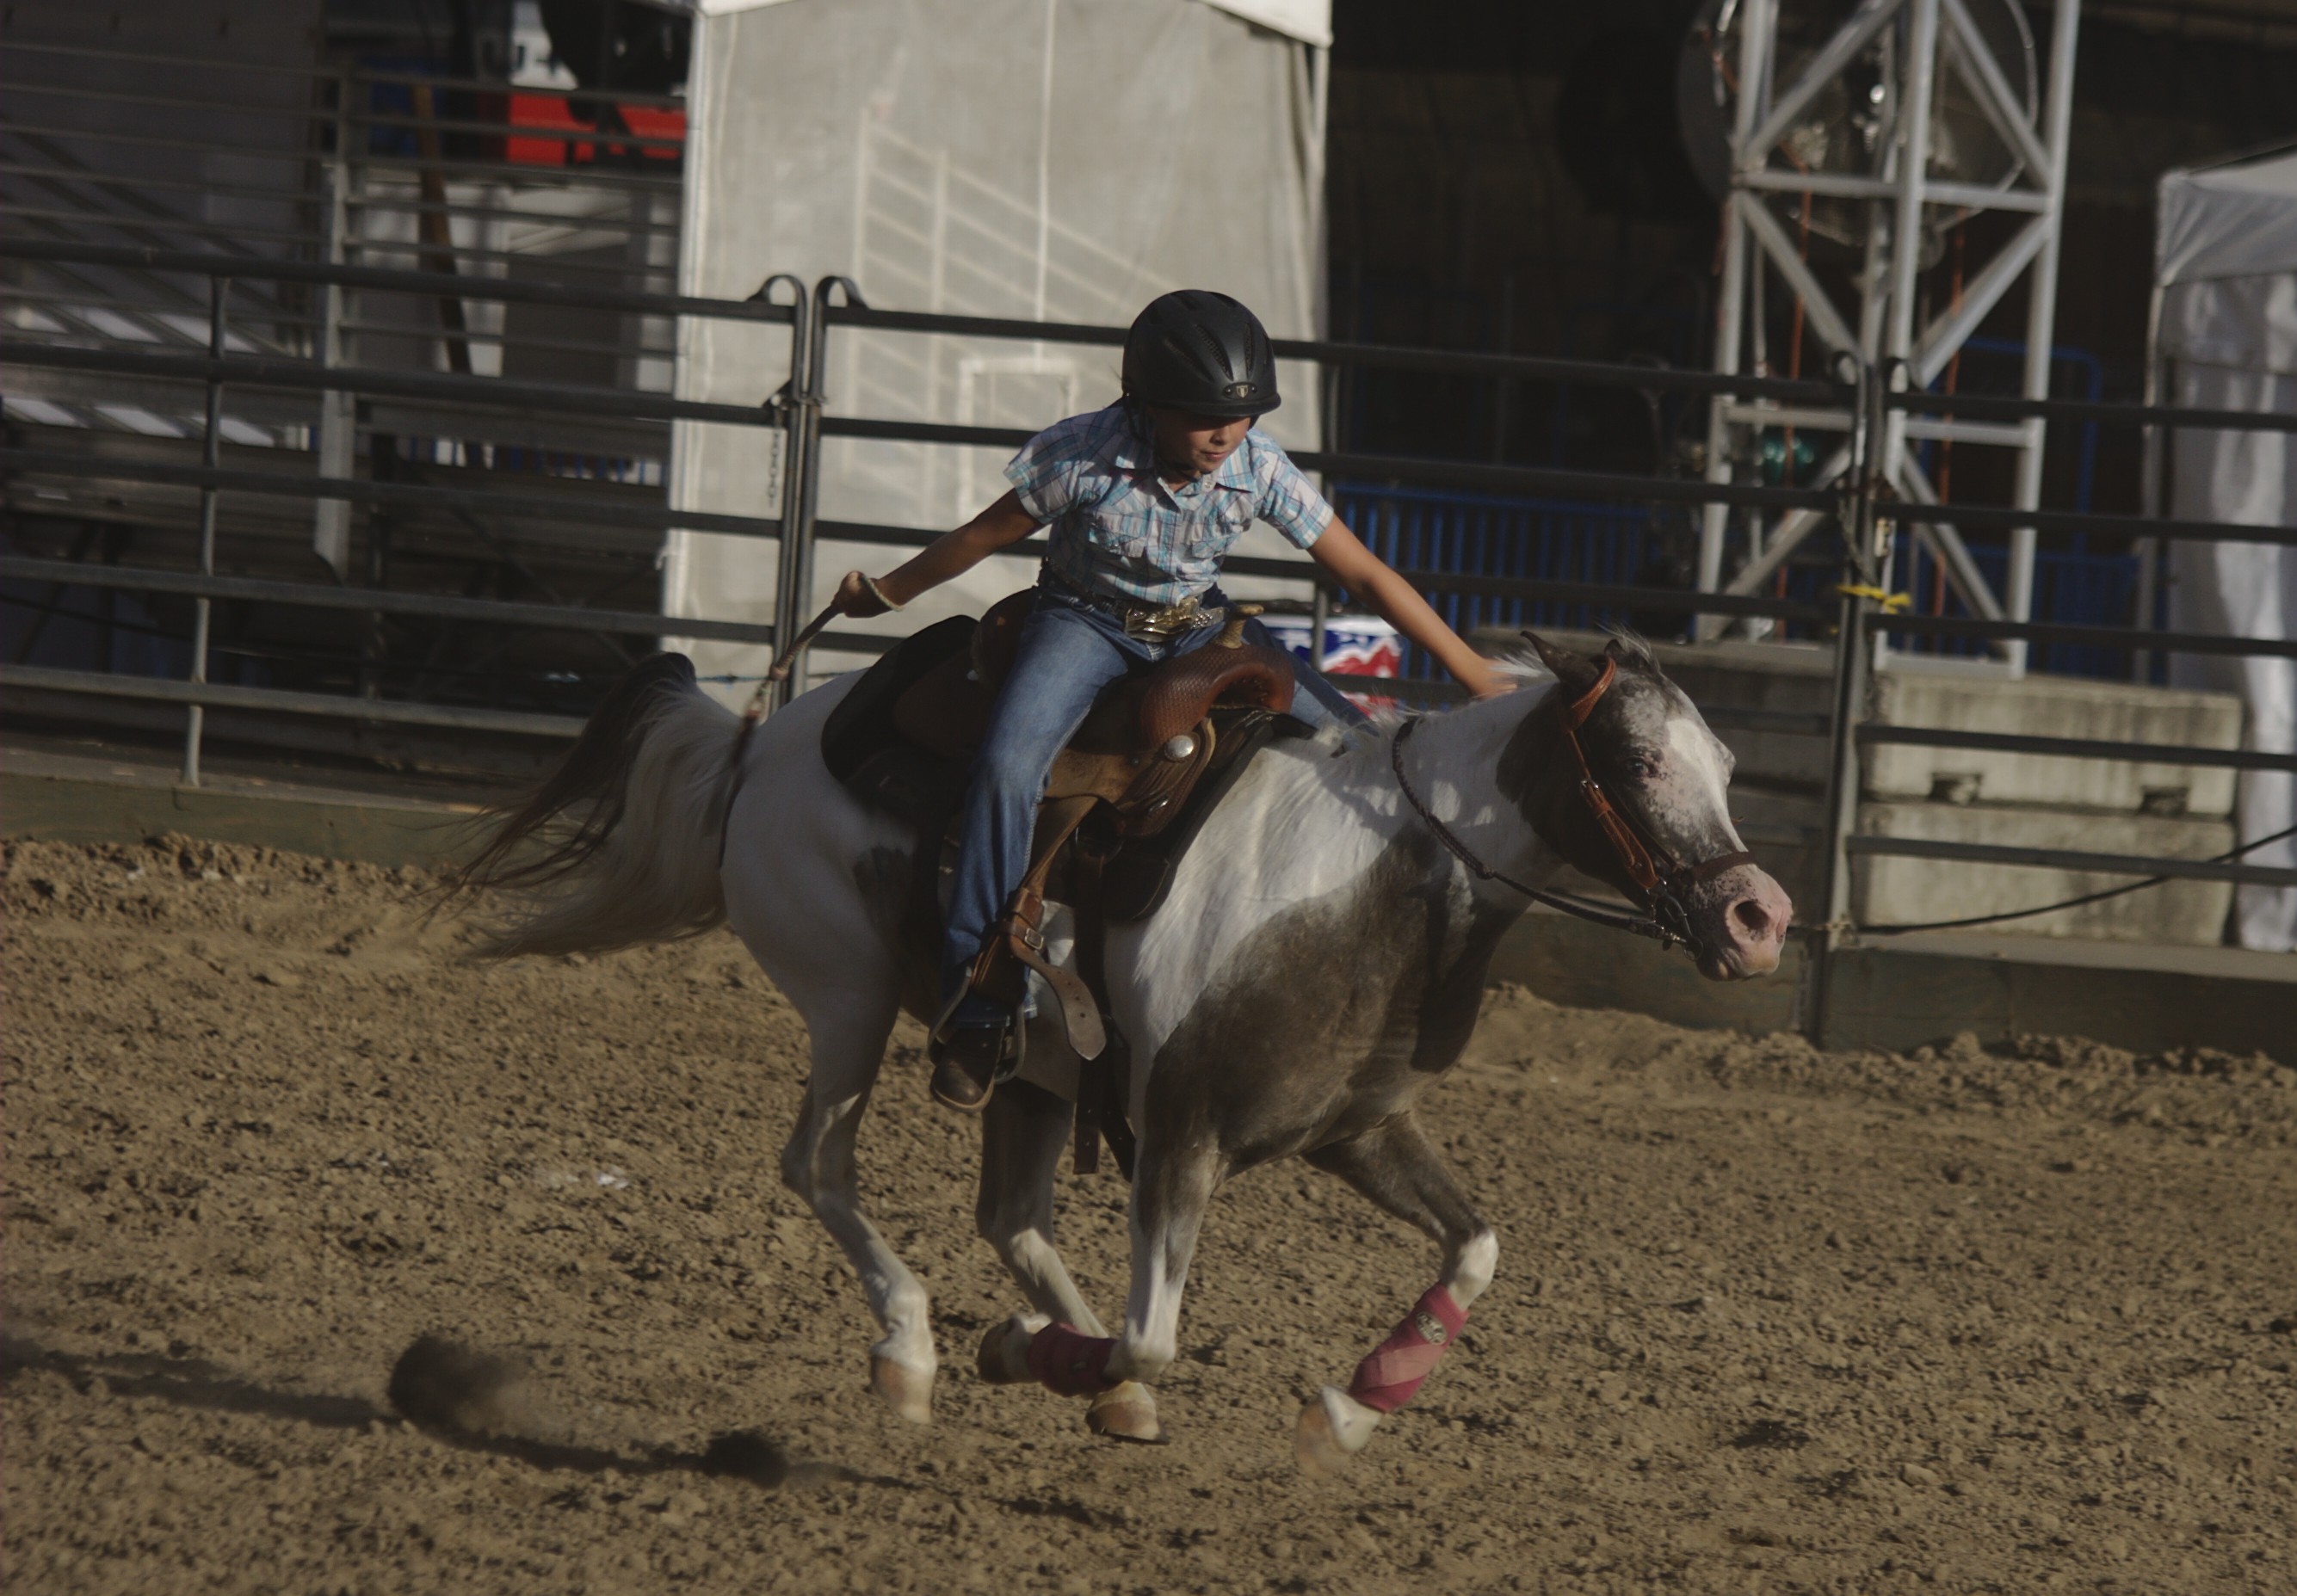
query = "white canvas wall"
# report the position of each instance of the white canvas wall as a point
(1058, 160)
(2226, 257)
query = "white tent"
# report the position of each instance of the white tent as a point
(2226, 338)
(1044, 160)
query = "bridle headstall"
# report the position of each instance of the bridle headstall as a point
(1656, 874)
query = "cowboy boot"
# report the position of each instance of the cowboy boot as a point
(966, 1061)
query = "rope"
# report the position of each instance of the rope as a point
(2112, 892)
(754, 712)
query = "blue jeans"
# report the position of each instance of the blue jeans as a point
(1070, 649)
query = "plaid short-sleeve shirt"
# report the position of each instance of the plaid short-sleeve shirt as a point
(1120, 528)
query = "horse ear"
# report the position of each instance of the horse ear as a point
(1569, 666)
(1628, 655)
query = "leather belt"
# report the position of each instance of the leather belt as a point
(1150, 623)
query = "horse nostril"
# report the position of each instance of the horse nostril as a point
(1751, 917)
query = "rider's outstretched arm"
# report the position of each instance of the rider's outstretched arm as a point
(1366, 576)
(1000, 526)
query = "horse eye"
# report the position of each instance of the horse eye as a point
(1640, 768)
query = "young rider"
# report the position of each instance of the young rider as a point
(1144, 498)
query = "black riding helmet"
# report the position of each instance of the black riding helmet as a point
(1202, 352)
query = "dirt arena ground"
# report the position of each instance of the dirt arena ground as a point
(1767, 1319)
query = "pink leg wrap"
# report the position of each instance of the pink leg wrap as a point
(1068, 1362)
(1397, 1368)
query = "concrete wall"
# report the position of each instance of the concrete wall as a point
(1900, 892)
(1905, 992)
(2054, 706)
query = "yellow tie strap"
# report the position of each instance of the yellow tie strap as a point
(1881, 595)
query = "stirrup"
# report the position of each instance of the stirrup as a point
(1015, 1024)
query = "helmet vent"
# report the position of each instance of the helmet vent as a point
(1203, 352)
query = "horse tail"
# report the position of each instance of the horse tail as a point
(619, 845)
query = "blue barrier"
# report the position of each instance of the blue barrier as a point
(1416, 529)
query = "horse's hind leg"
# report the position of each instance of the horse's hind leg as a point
(1022, 1134)
(817, 1165)
(1395, 1167)
(1171, 1185)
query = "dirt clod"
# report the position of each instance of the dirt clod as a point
(448, 1387)
(745, 1454)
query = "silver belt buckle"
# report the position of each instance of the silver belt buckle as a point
(1156, 623)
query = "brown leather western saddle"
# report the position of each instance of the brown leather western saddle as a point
(1159, 750)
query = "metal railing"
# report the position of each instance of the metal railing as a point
(1866, 512)
(838, 304)
(781, 302)
(338, 164)
(1856, 613)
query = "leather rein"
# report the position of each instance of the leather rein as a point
(1658, 875)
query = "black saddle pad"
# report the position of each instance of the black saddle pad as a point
(870, 758)
(863, 724)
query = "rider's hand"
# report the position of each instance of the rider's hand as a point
(858, 598)
(1490, 682)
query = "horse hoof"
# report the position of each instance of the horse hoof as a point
(1004, 1357)
(1126, 1412)
(1333, 1429)
(908, 1391)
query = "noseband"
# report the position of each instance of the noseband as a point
(1659, 876)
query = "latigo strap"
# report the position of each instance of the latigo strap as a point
(1017, 938)
(1020, 937)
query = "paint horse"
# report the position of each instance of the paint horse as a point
(1316, 965)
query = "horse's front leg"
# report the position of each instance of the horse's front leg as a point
(1170, 1188)
(1395, 1167)
(1022, 1135)
(817, 1165)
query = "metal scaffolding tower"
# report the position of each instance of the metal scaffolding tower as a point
(1893, 62)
